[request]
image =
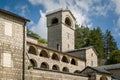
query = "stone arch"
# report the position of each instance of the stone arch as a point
(65, 59)
(65, 69)
(33, 62)
(54, 21)
(68, 21)
(55, 57)
(32, 50)
(77, 71)
(103, 78)
(44, 53)
(55, 67)
(44, 65)
(74, 62)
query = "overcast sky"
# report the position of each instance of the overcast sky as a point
(91, 13)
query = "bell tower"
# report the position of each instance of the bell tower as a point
(61, 27)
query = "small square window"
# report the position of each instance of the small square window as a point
(8, 29)
(7, 60)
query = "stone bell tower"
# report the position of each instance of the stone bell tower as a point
(61, 27)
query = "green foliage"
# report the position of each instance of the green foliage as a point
(115, 57)
(81, 36)
(95, 37)
(109, 42)
(40, 40)
(32, 33)
(96, 40)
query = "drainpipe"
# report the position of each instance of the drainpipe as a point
(24, 44)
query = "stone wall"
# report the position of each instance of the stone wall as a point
(91, 57)
(60, 34)
(98, 76)
(11, 47)
(80, 64)
(37, 74)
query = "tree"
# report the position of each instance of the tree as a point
(96, 40)
(40, 40)
(115, 57)
(81, 36)
(109, 42)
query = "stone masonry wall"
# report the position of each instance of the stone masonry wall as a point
(51, 75)
(11, 48)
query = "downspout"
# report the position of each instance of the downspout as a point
(24, 43)
(85, 59)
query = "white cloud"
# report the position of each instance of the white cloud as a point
(116, 4)
(81, 9)
(23, 9)
(40, 28)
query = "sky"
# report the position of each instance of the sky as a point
(91, 13)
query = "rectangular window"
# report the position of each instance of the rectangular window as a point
(68, 35)
(6, 60)
(58, 47)
(68, 46)
(8, 28)
(91, 63)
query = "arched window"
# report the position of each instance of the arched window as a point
(65, 69)
(64, 59)
(55, 67)
(74, 62)
(33, 63)
(67, 21)
(77, 71)
(43, 53)
(54, 21)
(55, 57)
(44, 65)
(32, 50)
(103, 78)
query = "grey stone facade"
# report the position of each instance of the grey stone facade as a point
(11, 46)
(61, 26)
(23, 58)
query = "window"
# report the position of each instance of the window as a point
(103, 78)
(65, 69)
(91, 63)
(92, 54)
(8, 29)
(58, 47)
(33, 63)
(55, 56)
(68, 46)
(68, 35)
(55, 67)
(32, 50)
(43, 53)
(77, 71)
(64, 59)
(54, 21)
(44, 65)
(7, 60)
(73, 61)
(67, 21)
